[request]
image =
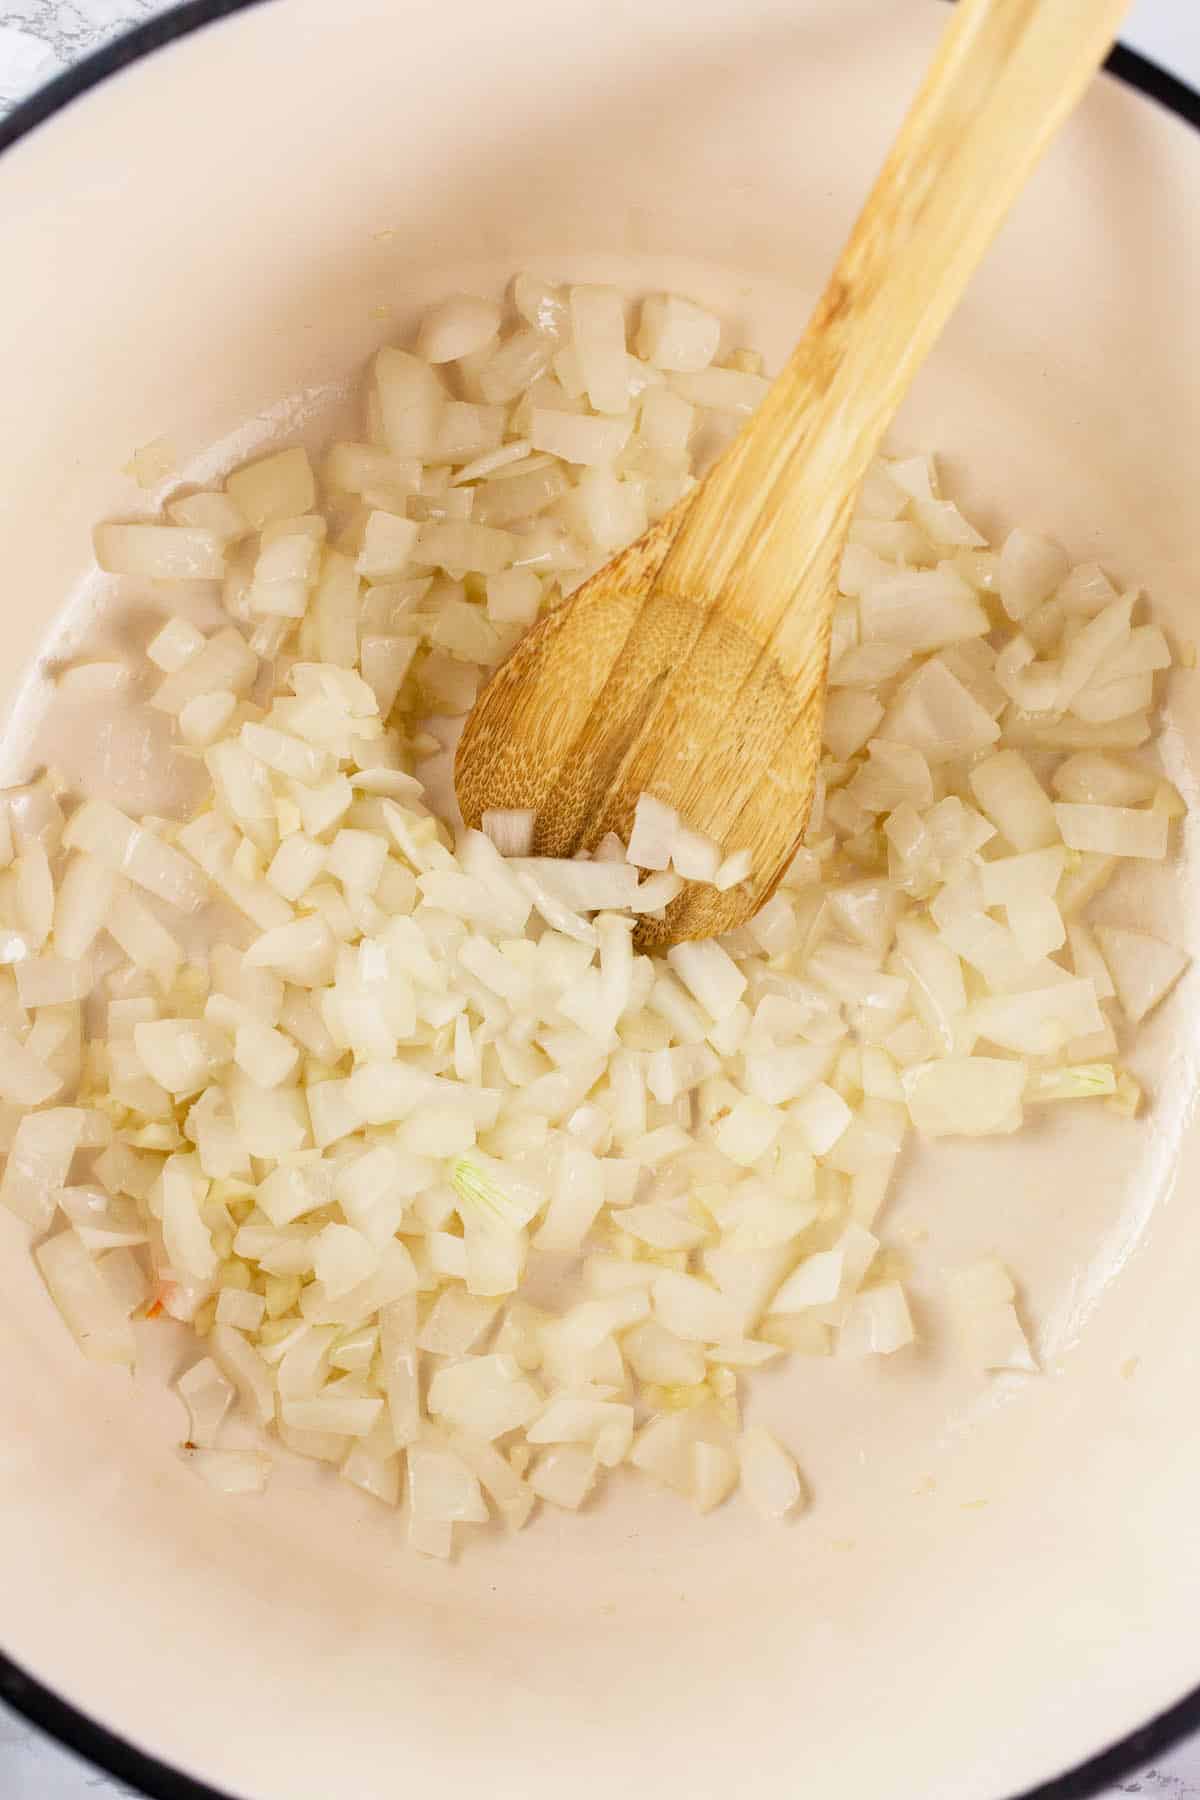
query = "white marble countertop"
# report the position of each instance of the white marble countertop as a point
(39, 38)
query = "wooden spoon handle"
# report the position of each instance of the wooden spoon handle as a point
(762, 532)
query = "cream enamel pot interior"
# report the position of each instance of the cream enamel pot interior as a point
(996, 1581)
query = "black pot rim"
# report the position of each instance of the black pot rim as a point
(39, 1704)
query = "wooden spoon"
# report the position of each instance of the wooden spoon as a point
(692, 667)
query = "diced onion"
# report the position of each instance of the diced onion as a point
(457, 327)
(1143, 968)
(39, 1159)
(982, 1297)
(409, 1075)
(129, 849)
(598, 328)
(160, 552)
(576, 439)
(208, 1396)
(231, 1471)
(91, 1310)
(974, 1096)
(1113, 830)
(564, 1476)
(279, 486)
(770, 1477)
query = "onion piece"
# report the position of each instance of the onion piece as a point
(878, 1322)
(208, 1396)
(1015, 801)
(337, 1414)
(246, 1369)
(516, 364)
(590, 442)
(279, 486)
(816, 1282)
(182, 1055)
(1143, 968)
(399, 1367)
(115, 840)
(376, 1472)
(1029, 876)
(605, 1426)
(576, 1200)
(564, 1476)
(714, 1474)
(652, 840)
(343, 1258)
(973, 1096)
(1029, 569)
(935, 714)
(125, 1276)
(84, 897)
(456, 327)
(921, 609)
(710, 975)
(771, 1481)
(692, 1310)
(456, 1323)
(38, 1163)
(598, 329)
(585, 886)
(89, 1307)
(442, 1489)
(1082, 1081)
(25, 1080)
(1097, 779)
(187, 1238)
(160, 552)
(733, 870)
(231, 1471)
(656, 1355)
(982, 1297)
(214, 513)
(510, 830)
(484, 1396)
(1113, 830)
(513, 596)
(677, 334)
(513, 1497)
(242, 1310)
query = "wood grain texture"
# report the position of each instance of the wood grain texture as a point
(693, 665)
